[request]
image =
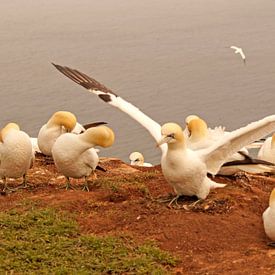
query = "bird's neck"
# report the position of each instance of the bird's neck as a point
(179, 145)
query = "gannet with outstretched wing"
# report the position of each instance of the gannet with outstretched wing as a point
(185, 169)
(239, 51)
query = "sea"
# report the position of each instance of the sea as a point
(169, 58)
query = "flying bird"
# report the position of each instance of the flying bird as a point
(239, 51)
(184, 169)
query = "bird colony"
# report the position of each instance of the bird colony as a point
(191, 154)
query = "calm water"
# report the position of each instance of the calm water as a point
(169, 58)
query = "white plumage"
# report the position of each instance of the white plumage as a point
(74, 155)
(269, 217)
(16, 155)
(239, 51)
(185, 169)
(267, 150)
(136, 158)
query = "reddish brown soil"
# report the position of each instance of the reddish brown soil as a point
(222, 235)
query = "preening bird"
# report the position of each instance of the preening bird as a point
(184, 169)
(16, 154)
(239, 51)
(136, 158)
(269, 218)
(74, 155)
(59, 123)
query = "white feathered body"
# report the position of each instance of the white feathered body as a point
(16, 154)
(186, 173)
(74, 157)
(269, 222)
(47, 137)
(266, 151)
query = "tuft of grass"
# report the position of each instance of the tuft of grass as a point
(49, 242)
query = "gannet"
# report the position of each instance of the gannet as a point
(59, 123)
(74, 155)
(200, 136)
(136, 158)
(16, 154)
(185, 169)
(239, 51)
(267, 150)
(269, 218)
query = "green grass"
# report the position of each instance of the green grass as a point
(48, 242)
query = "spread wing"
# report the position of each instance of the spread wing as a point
(215, 155)
(111, 98)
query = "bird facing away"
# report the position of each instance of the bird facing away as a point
(183, 168)
(60, 122)
(239, 51)
(74, 155)
(136, 158)
(16, 154)
(267, 150)
(269, 218)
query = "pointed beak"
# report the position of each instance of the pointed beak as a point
(165, 139)
(186, 132)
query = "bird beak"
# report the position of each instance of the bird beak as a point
(132, 162)
(165, 139)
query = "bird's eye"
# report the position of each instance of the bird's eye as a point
(136, 159)
(171, 135)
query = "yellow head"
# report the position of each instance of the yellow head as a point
(272, 198)
(197, 128)
(63, 118)
(273, 141)
(171, 134)
(136, 158)
(191, 117)
(102, 136)
(7, 129)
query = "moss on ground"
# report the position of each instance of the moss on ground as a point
(44, 241)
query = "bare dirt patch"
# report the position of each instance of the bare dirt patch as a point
(222, 235)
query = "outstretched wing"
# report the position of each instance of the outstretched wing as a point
(234, 48)
(111, 98)
(215, 155)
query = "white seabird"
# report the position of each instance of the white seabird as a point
(175, 156)
(239, 51)
(59, 123)
(136, 158)
(200, 137)
(74, 155)
(16, 154)
(269, 218)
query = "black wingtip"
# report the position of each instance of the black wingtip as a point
(94, 124)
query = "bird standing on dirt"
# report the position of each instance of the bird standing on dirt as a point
(74, 155)
(16, 154)
(60, 122)
(184, 169)
(269, 218)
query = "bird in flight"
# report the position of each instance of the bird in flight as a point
(239, 51)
